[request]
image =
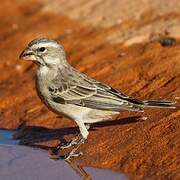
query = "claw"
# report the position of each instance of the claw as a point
(66, 145)
(72, 154)
(64, 157)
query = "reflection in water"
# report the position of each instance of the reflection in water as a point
(88, 173)
(35, 164)
(79, 169)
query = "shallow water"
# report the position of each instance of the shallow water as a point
(25, 163)
(6, 137)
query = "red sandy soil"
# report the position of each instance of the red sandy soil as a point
(123, 51)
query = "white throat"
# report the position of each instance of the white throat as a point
(43, 71)
(48, 73)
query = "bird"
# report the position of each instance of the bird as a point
(67, 91)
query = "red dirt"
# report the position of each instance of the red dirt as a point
(147, 70)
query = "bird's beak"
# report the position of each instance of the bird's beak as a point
(27, 54)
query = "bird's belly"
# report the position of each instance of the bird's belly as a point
(84, 114)
(96, 115)
(69, 110)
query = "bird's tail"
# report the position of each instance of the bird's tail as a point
(158, 104)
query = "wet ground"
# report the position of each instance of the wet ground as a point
(135, 50)
(26, 163)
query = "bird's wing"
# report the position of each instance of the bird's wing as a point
(78, 89)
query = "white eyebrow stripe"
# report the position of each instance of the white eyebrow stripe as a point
(45, 44)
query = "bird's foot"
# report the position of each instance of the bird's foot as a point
(56, 155)
(65, 157)
(73, 153)
(72, 142)
(64, 145)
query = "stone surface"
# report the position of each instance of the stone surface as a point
(122, 50)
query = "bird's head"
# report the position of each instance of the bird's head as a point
(44, 52)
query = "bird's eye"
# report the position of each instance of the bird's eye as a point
(42, 49)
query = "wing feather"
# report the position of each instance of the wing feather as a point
(83, 91)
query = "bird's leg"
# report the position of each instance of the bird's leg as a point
(77, 142)
(84, 133)
(74, 141)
